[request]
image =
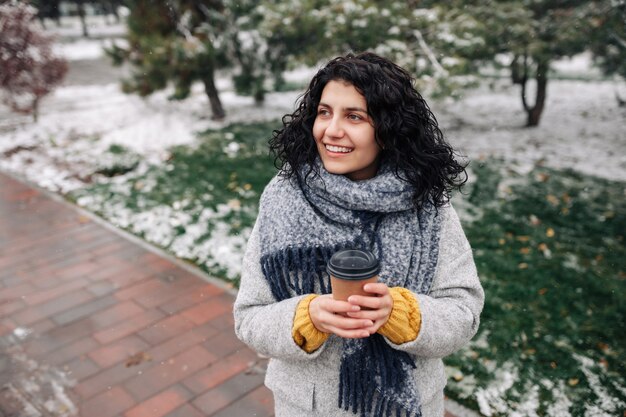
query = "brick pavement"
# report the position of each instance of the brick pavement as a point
(94, 323)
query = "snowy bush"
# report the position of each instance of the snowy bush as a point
(28, 68)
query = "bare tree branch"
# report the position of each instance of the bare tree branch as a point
(440, 70)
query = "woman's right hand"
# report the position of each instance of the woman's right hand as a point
(327, 315)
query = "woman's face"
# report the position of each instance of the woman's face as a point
(344, 133)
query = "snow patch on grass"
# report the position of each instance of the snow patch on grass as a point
(490, 398)
(605, 405)
(561, 404)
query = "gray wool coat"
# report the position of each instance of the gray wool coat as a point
(306, 385)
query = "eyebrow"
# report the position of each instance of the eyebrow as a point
(347, 108)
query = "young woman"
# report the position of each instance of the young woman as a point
(363, 165)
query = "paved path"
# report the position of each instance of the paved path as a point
(94, 324)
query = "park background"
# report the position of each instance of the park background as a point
(171, 145)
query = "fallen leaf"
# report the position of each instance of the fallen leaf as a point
(234, 204)
(553, 365)
(572, 382)
(566, 198)
(545, 250)
(501, 241)
(542, 291)
(247, 187)
(543, 177)
(525, 251)
(457, 376)
(602, 346)
(138, 358)
(534, 220)
(565, 210)
(552, 199)
(550, 232)
(83, 219)
(523, 238)
(523, 265)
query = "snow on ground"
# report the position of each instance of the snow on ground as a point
(81, 49)
(582, 127)
(98, 26)
(78, 123)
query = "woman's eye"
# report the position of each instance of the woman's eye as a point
(323, 112)
(354, 117)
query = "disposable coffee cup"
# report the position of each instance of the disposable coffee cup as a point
(350, 270)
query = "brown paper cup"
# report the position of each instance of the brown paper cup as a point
(344, 288)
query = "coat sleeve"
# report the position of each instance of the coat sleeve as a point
(261, 322)
(450, 312)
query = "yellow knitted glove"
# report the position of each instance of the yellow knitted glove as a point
(405, 319)
(304, 333)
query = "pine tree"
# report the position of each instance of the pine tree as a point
(310, 31)
(241, 46)
(531, 34)
(171, 42)
(28, 68)
(48, 9)
(607, 33)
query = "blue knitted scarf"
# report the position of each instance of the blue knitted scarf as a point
(303, 221)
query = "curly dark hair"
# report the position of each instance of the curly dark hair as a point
(405, 128)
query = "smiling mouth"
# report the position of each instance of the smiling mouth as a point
(337, 149)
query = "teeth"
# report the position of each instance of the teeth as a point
(338, 149)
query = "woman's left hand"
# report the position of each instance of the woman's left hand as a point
(376, 307)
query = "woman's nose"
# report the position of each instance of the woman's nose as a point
(334, 128)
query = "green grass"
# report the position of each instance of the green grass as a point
(207, 174)
(550, 252)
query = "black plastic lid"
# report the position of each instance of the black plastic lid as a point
(353, 264)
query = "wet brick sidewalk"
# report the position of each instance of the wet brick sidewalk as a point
(95, 324)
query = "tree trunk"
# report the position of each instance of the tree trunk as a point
(35, 108)
(112, 9)
(534, 112)
(81, 13)
(259, 95)
(214, 99)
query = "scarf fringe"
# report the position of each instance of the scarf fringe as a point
(297, 270)
(359, 391)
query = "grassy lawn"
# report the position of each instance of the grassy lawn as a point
(549, 246)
